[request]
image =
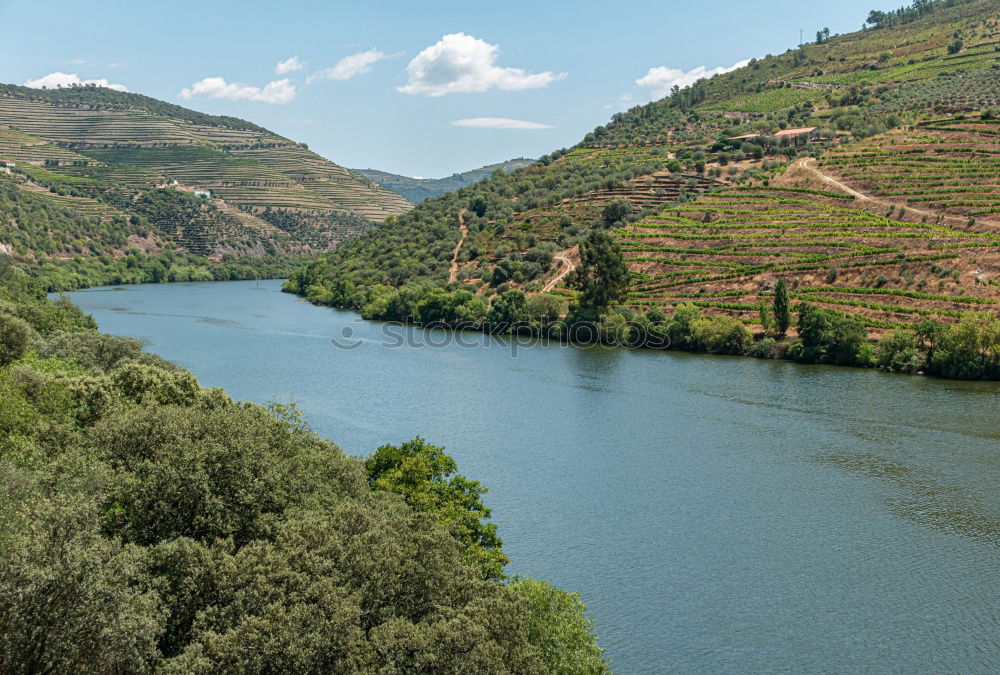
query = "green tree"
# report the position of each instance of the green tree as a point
(559, 627)
(766, 318)
(828, 336)
(545, 307)
(782, 308)
(602, 276)
(70, 599)
(968, 349)
(507, 310)
(428, 480)
(899, 352)
(14, 336)
(615, 211)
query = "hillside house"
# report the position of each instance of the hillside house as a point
(744, 137)
(7, 164)
(799, 136)
(204, 194)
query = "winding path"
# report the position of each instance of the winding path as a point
(809, 164)
(453, 270)
(568, 266)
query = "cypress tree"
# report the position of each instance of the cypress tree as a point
(782, 310)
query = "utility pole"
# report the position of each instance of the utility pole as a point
(800, 37)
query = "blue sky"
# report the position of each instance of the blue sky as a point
(419, 88)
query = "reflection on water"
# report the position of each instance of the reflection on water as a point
(716, 514)
(926, 499)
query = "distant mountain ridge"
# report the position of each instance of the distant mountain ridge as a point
(417, 190)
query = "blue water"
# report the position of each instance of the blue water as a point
(716, 514)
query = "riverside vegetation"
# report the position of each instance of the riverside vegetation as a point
(859, 172)
(149, 524)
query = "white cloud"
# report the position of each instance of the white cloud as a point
(460, 63)
(278, 91)
(58, 79)
(661, 80)
(499, 123)
(289, 65)
(349, 66)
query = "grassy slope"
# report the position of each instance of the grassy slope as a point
(890, 267)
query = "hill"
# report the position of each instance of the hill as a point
(855, 168)
(417, 190)
(129, 165)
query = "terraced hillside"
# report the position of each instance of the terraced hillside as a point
(944, 167)
(101, 137)
(724, 252)
(124, 168)
(861, 170)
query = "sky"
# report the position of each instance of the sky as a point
(421, 88)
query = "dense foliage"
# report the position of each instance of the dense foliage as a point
(149, 524)
(67, 249)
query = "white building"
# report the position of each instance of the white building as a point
(206, 194)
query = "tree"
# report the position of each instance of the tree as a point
(428, 480)
(14, 336)
(616, 210)
(70, 599)
(968, 349)
(782, 308)
(832, 337)
(766, 318)
(899, 352)
(545, 307)
(559, 627)
(602, 276)
(507, 311)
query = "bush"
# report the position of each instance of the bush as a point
(827, 336)
(899, 352)
(968, 349)
(764, 349)
(721, 335)
(15, 334)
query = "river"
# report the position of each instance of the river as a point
(716, 514)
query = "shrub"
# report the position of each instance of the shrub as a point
(968, 349)
(764, 349)
(15, 334)
(899, 352)
(721, 335)
(831, 337)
